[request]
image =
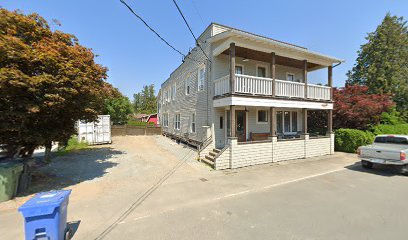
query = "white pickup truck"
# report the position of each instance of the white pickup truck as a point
(386, 150)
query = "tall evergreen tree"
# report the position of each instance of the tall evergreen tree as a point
(382, 62)
(145, 101)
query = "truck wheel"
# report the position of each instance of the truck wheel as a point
(367, 164)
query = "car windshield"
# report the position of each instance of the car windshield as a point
(390, 139)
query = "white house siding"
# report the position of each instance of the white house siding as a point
(255, 127)
(318, 147)
(287, 150)
(217, 29)
(223, 160)
(221, 68)
(243, 155)
(251, 154)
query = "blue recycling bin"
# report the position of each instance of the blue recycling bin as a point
(46, 215)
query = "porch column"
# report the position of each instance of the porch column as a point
(273, 73)
(233, 127)
(304, 121)
(330, 122)
(305, 75)
(232, 67)
(272, 112)
(330, 80)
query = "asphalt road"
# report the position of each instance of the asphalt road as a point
(346, 204)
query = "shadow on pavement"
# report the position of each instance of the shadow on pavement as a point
(73, 168)
(381, 170)
(73, 226)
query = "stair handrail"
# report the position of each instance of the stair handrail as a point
(205, 143)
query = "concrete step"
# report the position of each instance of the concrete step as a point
(208, 162)
(210, 158)
(213, 154)
(216, 150)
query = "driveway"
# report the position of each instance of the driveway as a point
(148, 187)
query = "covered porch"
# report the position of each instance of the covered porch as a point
(248, 135)
(257, 121)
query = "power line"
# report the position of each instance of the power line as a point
(198, 13)
(155, 32)
(189, 28)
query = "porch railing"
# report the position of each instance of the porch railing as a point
(263, 86)
(222, 85)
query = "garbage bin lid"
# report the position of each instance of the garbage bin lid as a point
(47, 201)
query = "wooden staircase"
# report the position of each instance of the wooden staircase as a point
(210, 158)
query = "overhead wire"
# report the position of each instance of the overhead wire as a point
(156, 33)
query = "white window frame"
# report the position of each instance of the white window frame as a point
(174, 91)
(267, 116)
(262, 66)
(201, 82)
(242, 66)
(187, 85)
(294, 76)
(193, 122)
(290, 120)
(165, 119)
(177, 121)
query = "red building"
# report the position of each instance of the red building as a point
(152, 118)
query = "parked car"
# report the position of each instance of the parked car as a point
(389, 150)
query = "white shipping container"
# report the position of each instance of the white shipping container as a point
(98, 132)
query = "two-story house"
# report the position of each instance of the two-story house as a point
(243, 99)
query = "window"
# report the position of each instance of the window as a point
(262, 116)
(165, 119)
(174, 92)
(166, 96)
(286, 122)
(294, 122)
(279, 122)
(193, 123)
(261, 72)
(187, 87)
(228, 123)
(201, 78)
(239, 70)
(177, 121)
(290, 77)
(221, 122)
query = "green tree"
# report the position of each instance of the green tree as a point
(118, 109)
(382, 62)
(47, 82)
(145, 101)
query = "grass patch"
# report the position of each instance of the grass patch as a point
(73, 145)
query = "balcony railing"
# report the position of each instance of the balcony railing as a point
(263, 86)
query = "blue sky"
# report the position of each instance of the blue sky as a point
(135, 57)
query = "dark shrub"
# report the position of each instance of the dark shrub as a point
(348, 140)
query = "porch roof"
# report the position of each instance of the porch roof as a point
(270, 102)
(267, 45)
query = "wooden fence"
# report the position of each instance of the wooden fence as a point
(122, 130)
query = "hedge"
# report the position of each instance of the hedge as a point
(390, 129)
(138, 123)
(348, 140)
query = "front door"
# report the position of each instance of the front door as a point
(241, 125)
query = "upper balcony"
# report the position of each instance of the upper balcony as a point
(247, 65)
(259, 86)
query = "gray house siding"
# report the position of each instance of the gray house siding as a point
(196, 102)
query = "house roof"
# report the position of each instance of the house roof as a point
(141, 115)
(234, 32)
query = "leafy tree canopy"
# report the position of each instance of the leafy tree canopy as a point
(145, 101)
(47, 82)
(382, 62)
(356, 108)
